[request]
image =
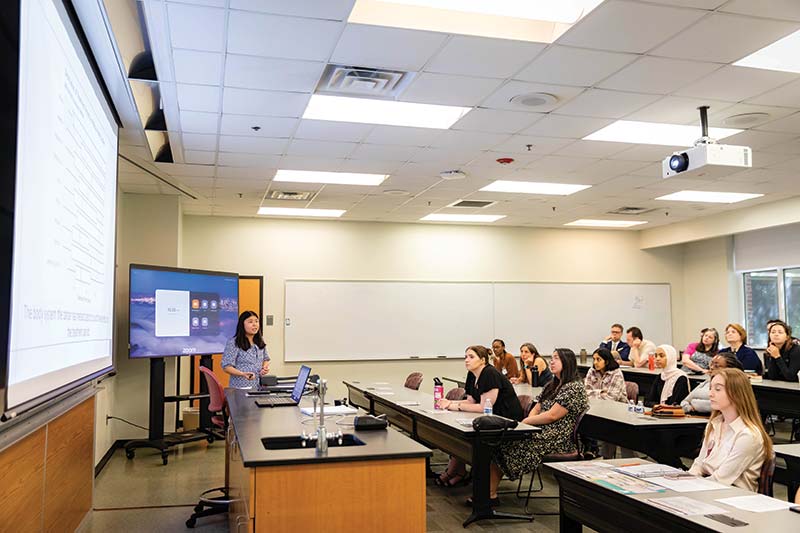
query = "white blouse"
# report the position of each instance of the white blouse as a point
(733, 458)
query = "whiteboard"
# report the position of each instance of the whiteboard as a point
(362, 320)
(358, 320)
(579, 315)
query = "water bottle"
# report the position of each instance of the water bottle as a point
(583, 356)
(651, 361)
(535, 376)
(487, 407)
(438, 392)
(631, 406)
(640, 408)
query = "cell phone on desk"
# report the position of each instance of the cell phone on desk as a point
(795, 509)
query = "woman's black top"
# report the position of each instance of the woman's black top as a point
(507, 403)
(679, 392)
(785, 367)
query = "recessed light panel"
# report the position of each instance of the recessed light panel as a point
(709, 197)
(563, 11)
(336, 178)
(532, 187)
(385, 112)
(783, 55)
(300, 212)
(444, 217)
(589, 223)
(631, 131)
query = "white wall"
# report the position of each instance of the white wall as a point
(298, 249)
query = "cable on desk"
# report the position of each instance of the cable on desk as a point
(109, 417)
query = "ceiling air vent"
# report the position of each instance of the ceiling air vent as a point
(291, 195)
(631, 211)
(471, 203)
(359, 81)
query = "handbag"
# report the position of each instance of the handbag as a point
(493, 423)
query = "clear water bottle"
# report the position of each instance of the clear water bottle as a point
(631, 406)
(487, 407)
(640, 408)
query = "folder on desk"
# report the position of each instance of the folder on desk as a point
(647, 470)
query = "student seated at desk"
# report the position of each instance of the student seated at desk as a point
(673, 384)
(641, 348)
(614, 343)
(504, 362)
(783, 361)
(530, 360)
(704, 351)
(605, 380)
(736, 337)
(697, 401)
(557, 408)
(483, 383)
(735, 443)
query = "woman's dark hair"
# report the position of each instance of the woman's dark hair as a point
(241, 339)
(635, 332)
(788, 329)
(714, 346)
(503, 344)
(569, 373)
(731, 361)
(481, 351)
(605, 355)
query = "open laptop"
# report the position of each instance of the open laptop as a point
(297, 392)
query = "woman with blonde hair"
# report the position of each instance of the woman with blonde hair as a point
(735, 443)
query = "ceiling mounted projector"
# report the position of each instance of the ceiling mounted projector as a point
(706, 156)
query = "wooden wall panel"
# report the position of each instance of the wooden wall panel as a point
(70, 471)
(22, 484)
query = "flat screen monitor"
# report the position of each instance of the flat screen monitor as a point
(177, 312)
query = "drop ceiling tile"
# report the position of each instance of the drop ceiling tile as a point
(325, 164)
(198, 97)
(184, 20)
(696, 4)
(724, 38)
(565, 126)
(381, 152)
(501, 98)
(719, 118)
(323, 9)
(198, 157)
(482, 56)
(384, 47)
(736, 83)
(788, 96)
(402, 136)
(269, 126)
(628, 27)
(676, 110)
(370, 166)
(593, 149)
(785, 146)
(553, 166)
(606, 104)
(428, 88)
(299, 147)
(177, 169)
(658, 75)
(249, 72)
(197, 67)
(574, 66)
(238, 173)
(199, 141)
(252, 145)
(444, 159)
(790, 124)
(496, 121)
(602, 171)
(247, 160)
(281, 36)
(468, 140)
(199, 122)
(518, 144)
(263, 103)
(773, 9)
(198, 183)
(648, 152)
(325, 130)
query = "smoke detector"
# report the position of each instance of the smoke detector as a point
(395, 192)
(452, 175)
(534, 99)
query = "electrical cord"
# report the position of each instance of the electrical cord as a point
(109, 417)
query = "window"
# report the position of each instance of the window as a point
(791, 287)
(761, 303)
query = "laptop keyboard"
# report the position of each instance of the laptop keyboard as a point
(276, 400)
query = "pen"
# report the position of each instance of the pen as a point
(630, 464)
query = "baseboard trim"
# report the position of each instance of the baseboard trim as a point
(119, 443)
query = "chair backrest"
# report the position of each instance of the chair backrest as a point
(456, 394)
(414, 380)
(215, 391)
(632, 390)
(526, 401)
(765, 479)
(575, 437)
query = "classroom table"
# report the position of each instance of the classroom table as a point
(664, 439)
(791, 454)
(584, 503)
(413, 412)
(643, 377)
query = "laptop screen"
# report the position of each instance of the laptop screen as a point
(300, 384)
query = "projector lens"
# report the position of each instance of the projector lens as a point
(679, 162)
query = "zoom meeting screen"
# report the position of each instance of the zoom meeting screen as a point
(179, 312)
(62, 281)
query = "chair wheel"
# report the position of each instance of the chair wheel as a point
(210, 439)
(198, 508)
(191, 522)
(130, 454)
(164, 458)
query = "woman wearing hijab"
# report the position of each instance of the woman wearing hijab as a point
(673, 386)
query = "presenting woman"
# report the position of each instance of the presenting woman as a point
(245, 357)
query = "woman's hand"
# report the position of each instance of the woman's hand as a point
(444, 403)
(773, 351)
(514, 380)
(249, 376)
(264, 368)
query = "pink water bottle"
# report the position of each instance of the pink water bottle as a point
(438, 392)
(651, 361)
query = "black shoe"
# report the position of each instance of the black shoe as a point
(493, 502)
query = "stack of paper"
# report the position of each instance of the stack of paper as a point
(330, 410)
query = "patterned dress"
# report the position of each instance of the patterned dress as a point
(520, 457)
(245, 360)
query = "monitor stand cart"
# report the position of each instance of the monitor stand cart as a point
(156, 438)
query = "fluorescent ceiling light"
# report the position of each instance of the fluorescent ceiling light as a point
(337, 178)
(631, 131)
(300, 212)
(590, 223)
(783, 55)
(444, 217)
(387, 112)
(532, 187)
(564, 11)
(709, 197)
